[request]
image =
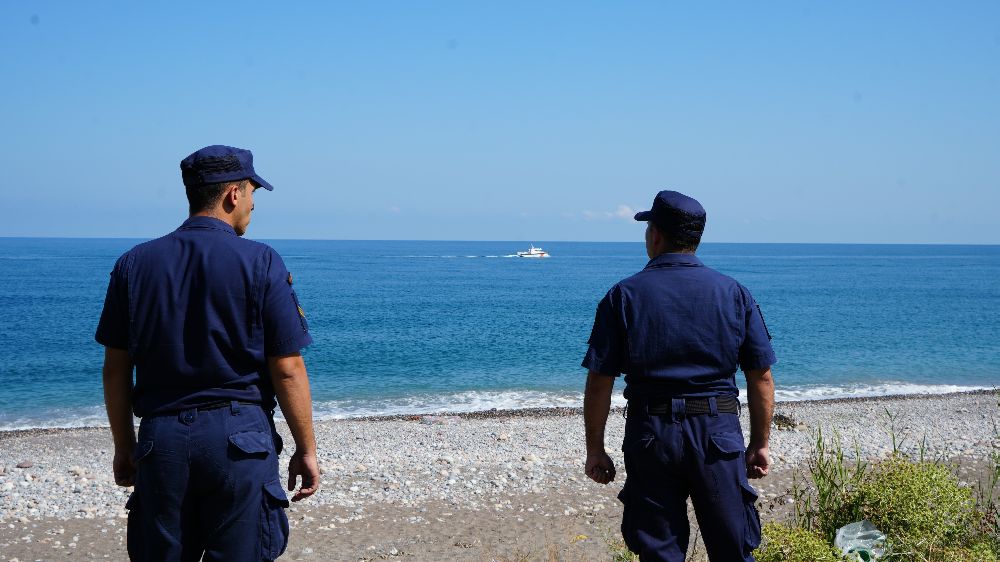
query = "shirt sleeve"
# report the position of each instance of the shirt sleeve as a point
(607, 352)
(285, 327)
(112, 329)
(755, 351)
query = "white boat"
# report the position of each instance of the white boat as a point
(534, 252)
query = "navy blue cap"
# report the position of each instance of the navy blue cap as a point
(675, 213)
(217, 164)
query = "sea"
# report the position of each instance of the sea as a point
(408, 327)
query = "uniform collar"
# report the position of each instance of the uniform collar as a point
(210, 223)
(674, 260)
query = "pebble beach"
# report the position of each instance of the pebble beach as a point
(496, 485)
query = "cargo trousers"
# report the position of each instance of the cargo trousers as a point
(671, 457)
(207, 487)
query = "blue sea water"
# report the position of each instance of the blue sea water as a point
(406, 327)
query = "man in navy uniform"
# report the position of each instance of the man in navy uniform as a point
(213, 329)
(678, 331)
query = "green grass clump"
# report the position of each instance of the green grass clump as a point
(620, 552)
(823, 503)
(920, 506)
(794, 544)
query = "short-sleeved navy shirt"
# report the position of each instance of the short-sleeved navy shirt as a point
(680, 329)
(199, 310)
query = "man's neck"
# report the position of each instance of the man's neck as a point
(217, 214)
(665, 252)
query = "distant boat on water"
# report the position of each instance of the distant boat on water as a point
(534, 252)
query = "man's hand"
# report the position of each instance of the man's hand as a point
(305, 466)
(291, 387)
(596, 405)
(124, 467)
(118, 401)
(760, 402)
(758, 462)
(600, 468)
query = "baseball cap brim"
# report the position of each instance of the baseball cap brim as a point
(644, 216)
(260, 181)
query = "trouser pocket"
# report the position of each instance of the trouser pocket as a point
(752, 534)
(628, 520)
(274, 522)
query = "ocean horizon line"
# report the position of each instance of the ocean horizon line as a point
(526, 240)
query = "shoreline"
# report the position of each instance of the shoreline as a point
(553, 411)
(494, 485)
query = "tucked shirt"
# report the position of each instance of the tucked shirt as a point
(678, 329)
(199, 311)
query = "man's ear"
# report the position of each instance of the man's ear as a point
(239, 190)
(231, 196)
(656, 237)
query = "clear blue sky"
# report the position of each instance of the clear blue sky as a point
(791, 122)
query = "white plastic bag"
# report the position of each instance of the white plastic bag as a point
(861, 541)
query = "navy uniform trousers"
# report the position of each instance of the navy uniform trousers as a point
(673, 456)
(207, 485)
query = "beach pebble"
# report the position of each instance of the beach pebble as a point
(439, 420)
(396, 461)
(25, 464)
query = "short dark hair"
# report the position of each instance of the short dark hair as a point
(207, 196)
(678, 242)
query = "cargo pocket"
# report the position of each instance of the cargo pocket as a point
(728, 445)
(751, 537)
(629, 530)
(645, 516)
(254, 444)
(273, 521)
(725, 466)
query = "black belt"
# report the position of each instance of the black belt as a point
(225, 404)
(725, 404)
